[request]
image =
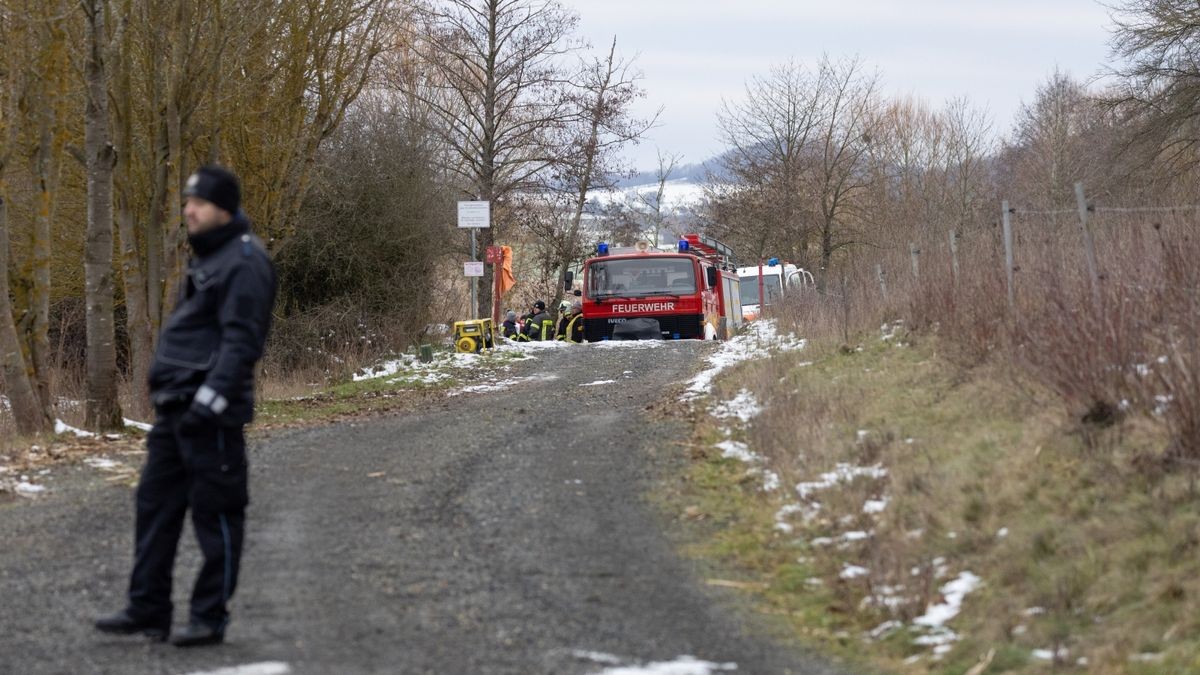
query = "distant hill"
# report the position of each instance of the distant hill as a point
(696, 173)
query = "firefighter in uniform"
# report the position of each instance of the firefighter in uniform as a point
(570, 327)
(574, 329)
(539, 326)
(202, 387)
(509, 327)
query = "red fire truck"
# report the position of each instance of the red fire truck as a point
(642, 293)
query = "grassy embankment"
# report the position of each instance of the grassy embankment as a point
(1087, 555)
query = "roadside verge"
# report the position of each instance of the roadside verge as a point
(905, 514)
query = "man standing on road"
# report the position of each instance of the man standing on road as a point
(202, 387)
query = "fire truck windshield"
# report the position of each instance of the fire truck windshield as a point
(642, 276)
(749, 292)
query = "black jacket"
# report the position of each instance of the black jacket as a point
(534, 328)
(209, 345)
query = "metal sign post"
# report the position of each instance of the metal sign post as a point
(474, 215)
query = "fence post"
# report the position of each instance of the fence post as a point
(882, 281)
(916, 262)
(1089, 247)
(954, 254)
(1008, 253)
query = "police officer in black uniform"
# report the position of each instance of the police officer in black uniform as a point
(202, 387)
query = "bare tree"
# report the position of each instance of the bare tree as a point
(495, 90)
(653, 207)
(103, 411)
(1050, 147)
(848, 100)
(1159, 92)
(46, 107)
(967, 150)
(605, 88)
(769, 134)
(22, 397)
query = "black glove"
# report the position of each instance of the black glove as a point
(195, 419)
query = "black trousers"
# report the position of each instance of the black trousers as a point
(205, 471)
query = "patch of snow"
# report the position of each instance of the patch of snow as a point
(1146, 657)
(597, 383)
(737, 450)
(770, 481)
(886, 596)
(1049, 654)
(884, 629)
(1162, 404)
(842, 473)
(61, 427)
(943, 636)
(100, 463)
(1034, 611)
(1002, 533)
(261, 668)
(409, 365)
(857, 535)
(821, 541)
(757, 342)
(27, 488)
(596, 657)
(684, 665)
(502, 384)
(853, 571)
(141, 426)
(743, 406)
(936, 615)
(875, 505)
(432, 377)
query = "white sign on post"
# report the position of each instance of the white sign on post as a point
(473, 269)
(475, 214)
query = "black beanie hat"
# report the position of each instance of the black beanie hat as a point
(217, 185)
(539, 305)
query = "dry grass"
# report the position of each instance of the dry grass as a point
(982, 475)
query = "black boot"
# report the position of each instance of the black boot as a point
(198, 634)
(123, 623)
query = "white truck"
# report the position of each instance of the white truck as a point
(778, 281)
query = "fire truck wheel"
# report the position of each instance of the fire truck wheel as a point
(465, 345)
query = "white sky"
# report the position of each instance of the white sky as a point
(695, 52)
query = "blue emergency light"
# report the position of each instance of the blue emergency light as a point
(683, 245)
(602, 248)
(772, 262)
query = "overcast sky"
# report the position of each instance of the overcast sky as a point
(695, 52)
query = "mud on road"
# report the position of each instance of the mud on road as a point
(492, 532)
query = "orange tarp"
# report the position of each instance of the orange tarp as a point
(507, 280)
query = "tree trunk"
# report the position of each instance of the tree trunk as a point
(102, 406)
(23, 401)
(137, 291)
(45, 172)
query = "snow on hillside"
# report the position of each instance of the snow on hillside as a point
(677, 194)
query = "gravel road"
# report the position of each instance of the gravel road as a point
(489, 533)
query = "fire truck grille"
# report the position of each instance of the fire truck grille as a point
(688, 327)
